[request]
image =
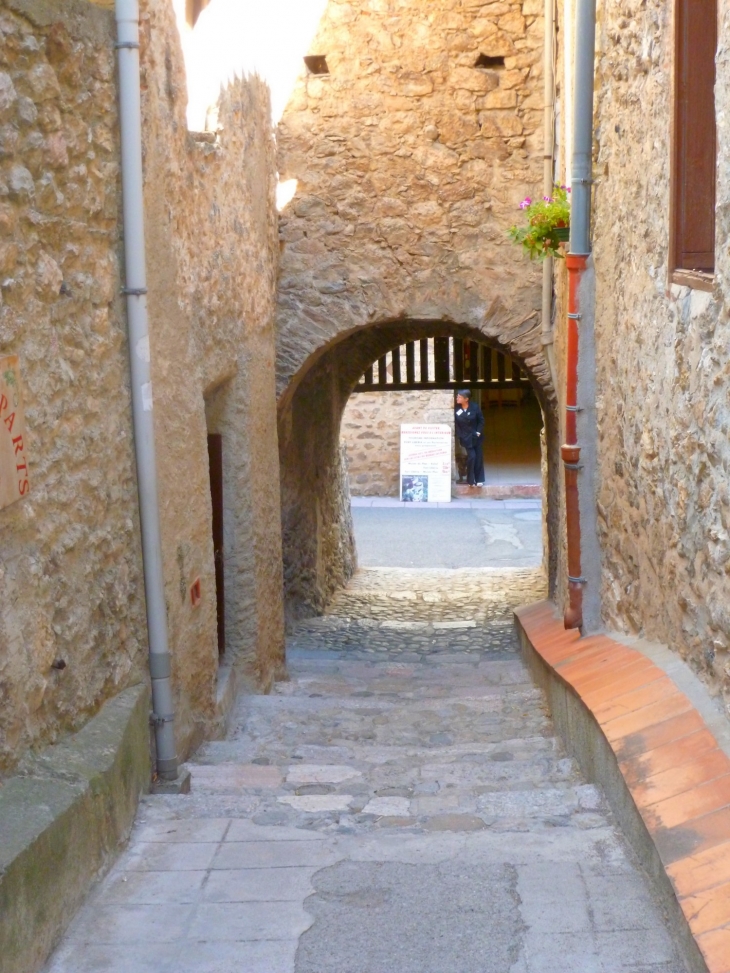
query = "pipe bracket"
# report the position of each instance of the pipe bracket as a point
(129, 45)
(574, 408)
(576, 580)
(574, 316)
(159, 665)
(133, 291)
(157, 720)
(573, 466)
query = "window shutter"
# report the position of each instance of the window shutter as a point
(695, 162)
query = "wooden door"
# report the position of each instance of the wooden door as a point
(695, 163)
(215, 458)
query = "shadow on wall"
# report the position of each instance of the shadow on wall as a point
(318, 541)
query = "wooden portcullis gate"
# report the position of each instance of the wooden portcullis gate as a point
(443, 363)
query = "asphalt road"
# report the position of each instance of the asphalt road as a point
(418, 537)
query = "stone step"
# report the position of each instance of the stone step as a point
(235, 777)
(267, 753)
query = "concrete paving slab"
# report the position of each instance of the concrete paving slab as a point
(262, 956)
(629, 948)
(210, 829)
(109, 958)
(563, 953)
(153, 888)
(259, 885)
(222, 922)
(178, 856)
(270, 854)
(124, 924)
(546, 913)
(243, 830)
(619, 903)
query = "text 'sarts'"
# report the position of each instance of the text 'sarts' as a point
(14, 479)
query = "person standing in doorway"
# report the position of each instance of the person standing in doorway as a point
(469, 423)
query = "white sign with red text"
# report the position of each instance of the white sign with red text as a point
(14, 479)
(425, 462)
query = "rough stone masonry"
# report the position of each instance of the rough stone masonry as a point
(71, 587)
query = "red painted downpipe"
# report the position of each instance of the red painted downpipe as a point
(570, 451)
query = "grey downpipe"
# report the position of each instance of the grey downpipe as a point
(580, 266)
(130, 114)
(582, 168)
(547, 336)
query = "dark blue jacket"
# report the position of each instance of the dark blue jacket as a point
(469, 422)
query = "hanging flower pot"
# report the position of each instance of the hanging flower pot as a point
(548, 225)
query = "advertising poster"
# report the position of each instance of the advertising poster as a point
(425, 462)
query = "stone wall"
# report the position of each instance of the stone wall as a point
(371, 433)
(212, 262)
(410, 162)
(70, 561)
(662, 365)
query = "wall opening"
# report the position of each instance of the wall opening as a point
(317, 64)
(493, 62)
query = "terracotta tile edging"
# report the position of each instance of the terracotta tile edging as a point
(676, 774)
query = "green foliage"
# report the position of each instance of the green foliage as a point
(546, 218)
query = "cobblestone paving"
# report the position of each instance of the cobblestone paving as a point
(470, 594)
(400, 805)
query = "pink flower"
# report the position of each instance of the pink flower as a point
(548, 199)
(525, 202)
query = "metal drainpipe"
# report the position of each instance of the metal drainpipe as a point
(130, 115)
(580, 218)
(547, 336)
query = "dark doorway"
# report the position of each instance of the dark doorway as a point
(215, 458)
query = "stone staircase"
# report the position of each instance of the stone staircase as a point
(400, 803)
(407, 706)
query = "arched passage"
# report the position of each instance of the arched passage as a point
(318, 542)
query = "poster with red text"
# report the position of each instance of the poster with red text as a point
(425, 462)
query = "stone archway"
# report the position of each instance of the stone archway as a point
(318, 543)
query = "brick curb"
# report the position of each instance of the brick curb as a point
(666, 777)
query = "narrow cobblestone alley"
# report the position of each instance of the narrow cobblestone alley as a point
(400, 804)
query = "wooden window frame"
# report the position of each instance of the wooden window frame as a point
(695, 279)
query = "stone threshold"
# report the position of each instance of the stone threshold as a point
(643, 726)
(64, 817)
